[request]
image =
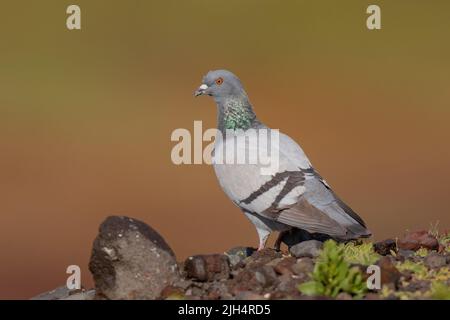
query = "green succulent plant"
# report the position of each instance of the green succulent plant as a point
(332, 274)
(439, 291)
(439, 278)
(443, 238)
(444, 241)
(422, 252)
(388, 293)
(421, 272)
(418, 269)
(363, 254)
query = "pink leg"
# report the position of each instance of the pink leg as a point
(262, 242)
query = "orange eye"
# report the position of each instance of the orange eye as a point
(219, 81)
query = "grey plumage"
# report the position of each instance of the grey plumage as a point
(295, 197)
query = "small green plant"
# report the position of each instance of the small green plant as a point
(434, 229)
(422, 252)
(421, 272)
(360, 254)
(176, 296)
(443, 238)
(439, 291)
(387, 293)
(444, 241)
(417, 268)
(443, 274)
(333, 274)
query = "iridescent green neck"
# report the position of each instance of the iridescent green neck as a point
(236, 114)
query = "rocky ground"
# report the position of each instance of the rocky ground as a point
(130, 260)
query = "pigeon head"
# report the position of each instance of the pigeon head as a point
(234, 109)
(220, 84)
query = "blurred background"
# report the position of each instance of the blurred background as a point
(86, 118)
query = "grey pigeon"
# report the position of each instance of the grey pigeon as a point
(295, 197)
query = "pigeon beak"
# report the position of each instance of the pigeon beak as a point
(201, 90)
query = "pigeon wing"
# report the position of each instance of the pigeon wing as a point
(318, 210)
(303, 198)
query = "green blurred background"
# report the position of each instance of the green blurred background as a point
(86, 118)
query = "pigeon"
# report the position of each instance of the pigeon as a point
(293, 199)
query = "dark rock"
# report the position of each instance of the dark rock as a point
(288, 285)
(303, 266)
(274, 262)
(385, 247)
(255, 278)
(266, 255)
(207, 267)
(130, 260)
(212, 295)
(218, 290)
(417, 285)
(389, 273)
(238, 254)
(310, 248)
(285, 266)
(418, 239)
(407, 275)
(260, 258)
(265, 276)
(403, 254)
(244, 281)
(435, 261)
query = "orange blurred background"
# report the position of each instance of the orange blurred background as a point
(86, 118)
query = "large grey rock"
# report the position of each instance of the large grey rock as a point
(310, 249)
(130, 260)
